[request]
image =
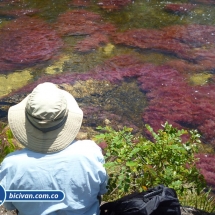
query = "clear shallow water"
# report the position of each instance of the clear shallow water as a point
(138, 14)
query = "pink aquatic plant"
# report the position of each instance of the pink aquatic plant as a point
(89, 24)
(113, 4)
(170, 96)
(193, 43)
(194, 35)
(79, 3)
(206, 167)
(78, 22)
(179, 8)
(91, 42)
(26, 41)
(152, 39)
(207, 2)
(186, 67)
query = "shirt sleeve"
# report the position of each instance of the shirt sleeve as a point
(104, 176)
(103, 186)
(7, 205)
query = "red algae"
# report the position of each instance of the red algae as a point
(185, 66)
(192, 43)
(205, 62)
(96, 39)
(195, 35)
(113, 4)
(170, 97)
(86, 23)
(207, 2)
(91, 42)
(206, 167)
(79, 3)
(78, 22)
(153, 40)
(179, 8)
(26, 41)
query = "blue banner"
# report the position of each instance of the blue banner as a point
(30, 195)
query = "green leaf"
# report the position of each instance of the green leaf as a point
(131, 163)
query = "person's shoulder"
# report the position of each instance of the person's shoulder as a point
(15, 156)
(84, 146)
(16, 153)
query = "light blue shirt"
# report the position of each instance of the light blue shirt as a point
(77, 170)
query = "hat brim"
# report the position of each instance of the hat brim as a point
(48, 142)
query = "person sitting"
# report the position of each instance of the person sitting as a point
(46, 123)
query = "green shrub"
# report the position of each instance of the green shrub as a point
(6, 143)
(136, 163)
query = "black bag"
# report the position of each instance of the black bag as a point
(159, 200)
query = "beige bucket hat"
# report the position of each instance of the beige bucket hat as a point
(47, 120)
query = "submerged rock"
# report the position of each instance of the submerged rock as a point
(200, 78)
(14, 81)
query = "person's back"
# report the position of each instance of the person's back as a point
(75, 168)
(67, 170)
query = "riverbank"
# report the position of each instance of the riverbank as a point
(184, 211)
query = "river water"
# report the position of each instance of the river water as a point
(139, 14)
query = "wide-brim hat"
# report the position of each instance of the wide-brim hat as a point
(47, 120)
